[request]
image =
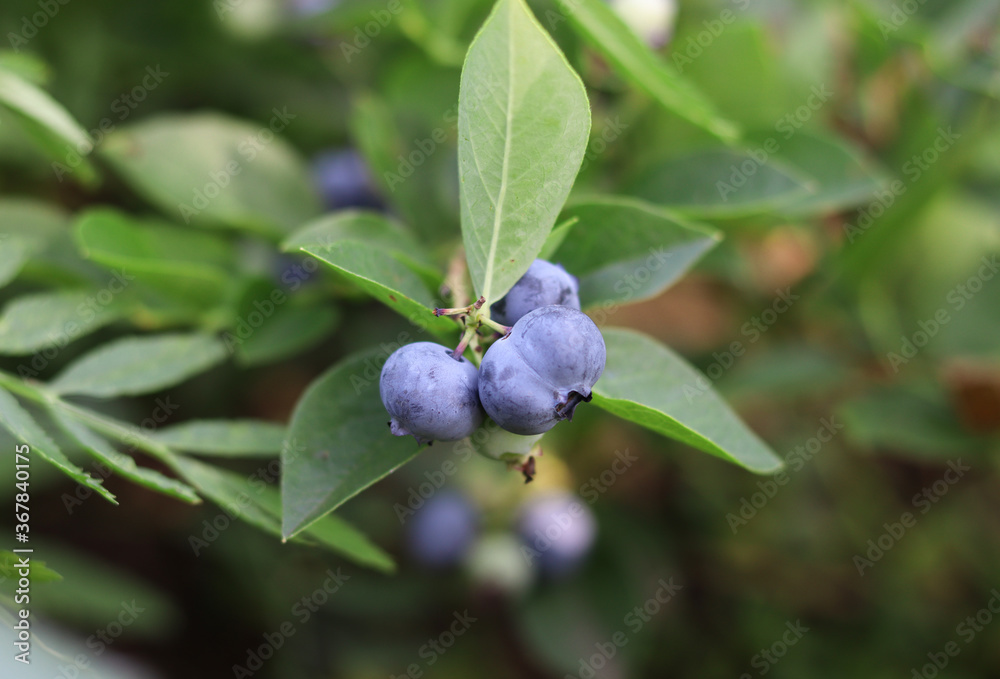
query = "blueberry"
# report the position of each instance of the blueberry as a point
(343, 180)
(544, 284)
(429, 394)
(535, 376)
(558, 530)
(441, 532)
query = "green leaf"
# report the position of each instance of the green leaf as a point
(370, 228)
(15, 254)
(647, 383)
(139, 365)
(50, 124)
(721, 184)
(38, 321)
(338, 442)
(624, 250)
(38, 573)
(184, 262)
(19, 422)
(600, 26)
(120, 463)
(386, 279)
(258, 504)
(236, 438)
(211, 169)
(523, 127)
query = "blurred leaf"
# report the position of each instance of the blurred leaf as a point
(386, 279)
(38, 572)
(210, 169)
(18, 422)
(650, 249)
(647, 383)
(188, 264)
(721, 184)
(600, 26)
(15, 253)
(288, 332)
(122, 464)
(236, 438)
(523, 125)
(338, 442)
(53, 257)
(33, 322)
(49, 123)
(139, 365)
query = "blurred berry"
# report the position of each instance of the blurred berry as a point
(652, 20)
(496, 563)
(440, 533)
(558, 530)
(343, 180)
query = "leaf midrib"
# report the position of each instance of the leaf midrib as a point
(501, 194)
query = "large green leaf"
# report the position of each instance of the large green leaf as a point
(722, 184)
(42, 320)
(139, 365)
(647, 383)
(624, 250)
(599, 25)
(236, 438)
(50, 124)
(338, 442)
(19, 422)
(523, 125)
(208, 168)
(120, 463)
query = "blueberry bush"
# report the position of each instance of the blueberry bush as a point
(354, 324)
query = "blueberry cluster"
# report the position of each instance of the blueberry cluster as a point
(530, 378)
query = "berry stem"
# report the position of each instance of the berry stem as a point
(490, 323)
(467, 336)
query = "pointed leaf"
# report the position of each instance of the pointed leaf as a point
(121, 464)
(647, 383)
(338, 442)
(19, 422)
(523, 125)
(139, 365)
(599, 24)
(650, 249)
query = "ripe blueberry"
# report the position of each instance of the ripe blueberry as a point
(535, 376)
(441, 531)
(343, 180)
(430, 394)
(544, 284)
